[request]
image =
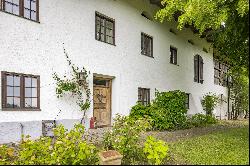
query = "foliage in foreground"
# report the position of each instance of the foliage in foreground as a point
(125, 138)
(68, 148)
(227, 147)
(156, 151)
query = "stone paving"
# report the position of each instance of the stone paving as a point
(96, 135)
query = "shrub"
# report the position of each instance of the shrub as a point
(68, 148)
(209, 102)
(201, 120)
(125, 138)
(139, 111)
(155, 151)
(7, 155)
(167, 111)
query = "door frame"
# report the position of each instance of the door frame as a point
(106, 78)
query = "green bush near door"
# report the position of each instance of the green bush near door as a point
(167, 111)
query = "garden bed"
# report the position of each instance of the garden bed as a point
(172, 136)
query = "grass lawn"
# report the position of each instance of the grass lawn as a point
(229, 146)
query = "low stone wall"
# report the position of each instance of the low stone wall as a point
(12, 131)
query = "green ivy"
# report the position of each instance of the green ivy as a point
(167, 111)
(74, 86)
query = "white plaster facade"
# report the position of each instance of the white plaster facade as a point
(36, 48)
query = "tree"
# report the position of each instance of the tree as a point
(239, 94)
(226, 24)
(224, 21)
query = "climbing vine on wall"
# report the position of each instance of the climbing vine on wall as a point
(77, 85)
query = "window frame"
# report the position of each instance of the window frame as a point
(187, 102)
(142, 101)
(106, 18)
(21, 10)
(175, 58)
(198, 69)
(143, 35)
(22, 107)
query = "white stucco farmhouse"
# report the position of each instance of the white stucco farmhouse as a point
(128, 54)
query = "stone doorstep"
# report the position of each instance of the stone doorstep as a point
(110, 155)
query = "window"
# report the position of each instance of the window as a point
(30, 9)
(198, 69)
(144, 96)
(173, 55)
(172, 31)
(24, 8)
(146, 45)
(105, 29)
(187, 101)
(20, 91)
(11, 6)
(220, 73)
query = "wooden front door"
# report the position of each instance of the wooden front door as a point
(102, 102)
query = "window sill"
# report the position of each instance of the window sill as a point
(21, 109)
(19, 16)
(199, 82)
(147, 55)
(105, 42)
(174, 64)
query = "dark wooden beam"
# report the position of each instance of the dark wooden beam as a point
(156, 2)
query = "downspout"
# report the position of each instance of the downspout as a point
(21, 125)
(228, 104)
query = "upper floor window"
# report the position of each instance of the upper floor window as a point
(220, 73)
(104, 29)
(173, 55)
(146, 45)
(24, 8)
(20, 92)
(144, 96)
(198, 69)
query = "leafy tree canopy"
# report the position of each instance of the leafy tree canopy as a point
(225, 21)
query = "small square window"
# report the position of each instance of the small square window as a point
(144, 96)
